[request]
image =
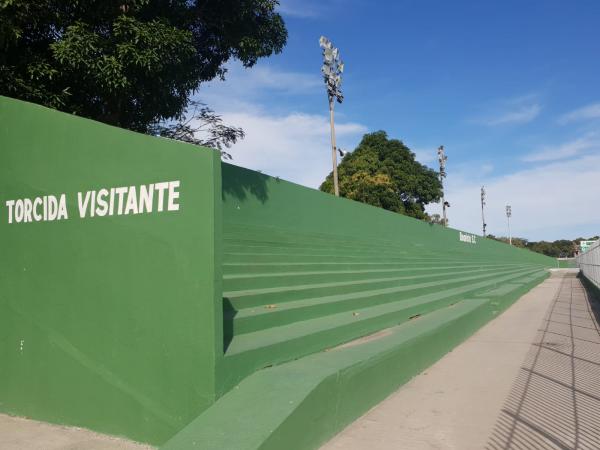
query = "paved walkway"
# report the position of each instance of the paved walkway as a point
(555, 401)
(22, 434)
(529, 379)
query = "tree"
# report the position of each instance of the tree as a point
(562, 248)
(129, 63)
(202, 127)
(556, 249)
(436, 219)
(383, 172)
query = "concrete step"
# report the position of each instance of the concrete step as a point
(334, 257)
(249, 320)
(244, 268)
(251, 298)
(240, 284)
(252, 351)
(300, 404)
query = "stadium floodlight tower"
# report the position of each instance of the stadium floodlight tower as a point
(442, 158)
(482, 212)
(508, 215)
(332, 70)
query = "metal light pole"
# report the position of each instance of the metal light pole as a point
(332, 70)
(442, 158)
(508, 214)
(482, 212)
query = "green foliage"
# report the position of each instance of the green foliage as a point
(383, 172)
(130, 63)
(556, 249)
(202, 126)
(562, 248)
(436, 219)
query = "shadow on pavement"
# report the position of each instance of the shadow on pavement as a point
(555, 400)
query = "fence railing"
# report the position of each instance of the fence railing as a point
(589, 263)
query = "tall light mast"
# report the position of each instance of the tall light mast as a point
(508, 215)
(483, 224)
(332, 70)
(442, 158)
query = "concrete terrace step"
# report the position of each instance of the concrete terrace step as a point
(248, 233)
(282, 333)
(534, 277)
(238, 285)
(249, 352)
(311, 247)
(325, 391)
(327, 256)
(246, 269)
(330, 257)
(251, 298)
(252, 235)
(270, 315)
(307, 244)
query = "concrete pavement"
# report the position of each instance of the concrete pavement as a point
(527, 380)
(555, 401)
(23, 434)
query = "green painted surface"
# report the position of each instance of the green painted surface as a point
(305, 271)
(107, 322)
(301, 404)
(136, 324)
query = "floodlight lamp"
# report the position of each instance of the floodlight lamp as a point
(332, 69)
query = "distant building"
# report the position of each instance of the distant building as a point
(584, 246)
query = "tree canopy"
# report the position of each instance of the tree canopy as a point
(562, 248)
(130, 63)
(383, 172)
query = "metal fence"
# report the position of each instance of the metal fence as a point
(589, 263)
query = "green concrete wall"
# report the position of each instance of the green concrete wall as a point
(305, 271)
(107, 322)
(331, 305)
(137, 323)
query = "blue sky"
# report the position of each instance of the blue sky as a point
(510, 88)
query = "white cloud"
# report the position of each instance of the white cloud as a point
(300, 8)
(587, 112)
(553, 201)
(312, 9)
(264, 77)
(566, 150)
(424, 156)
(521, 114)
(511, 111)
(487, 168)
(295, 147)
(244, 88)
